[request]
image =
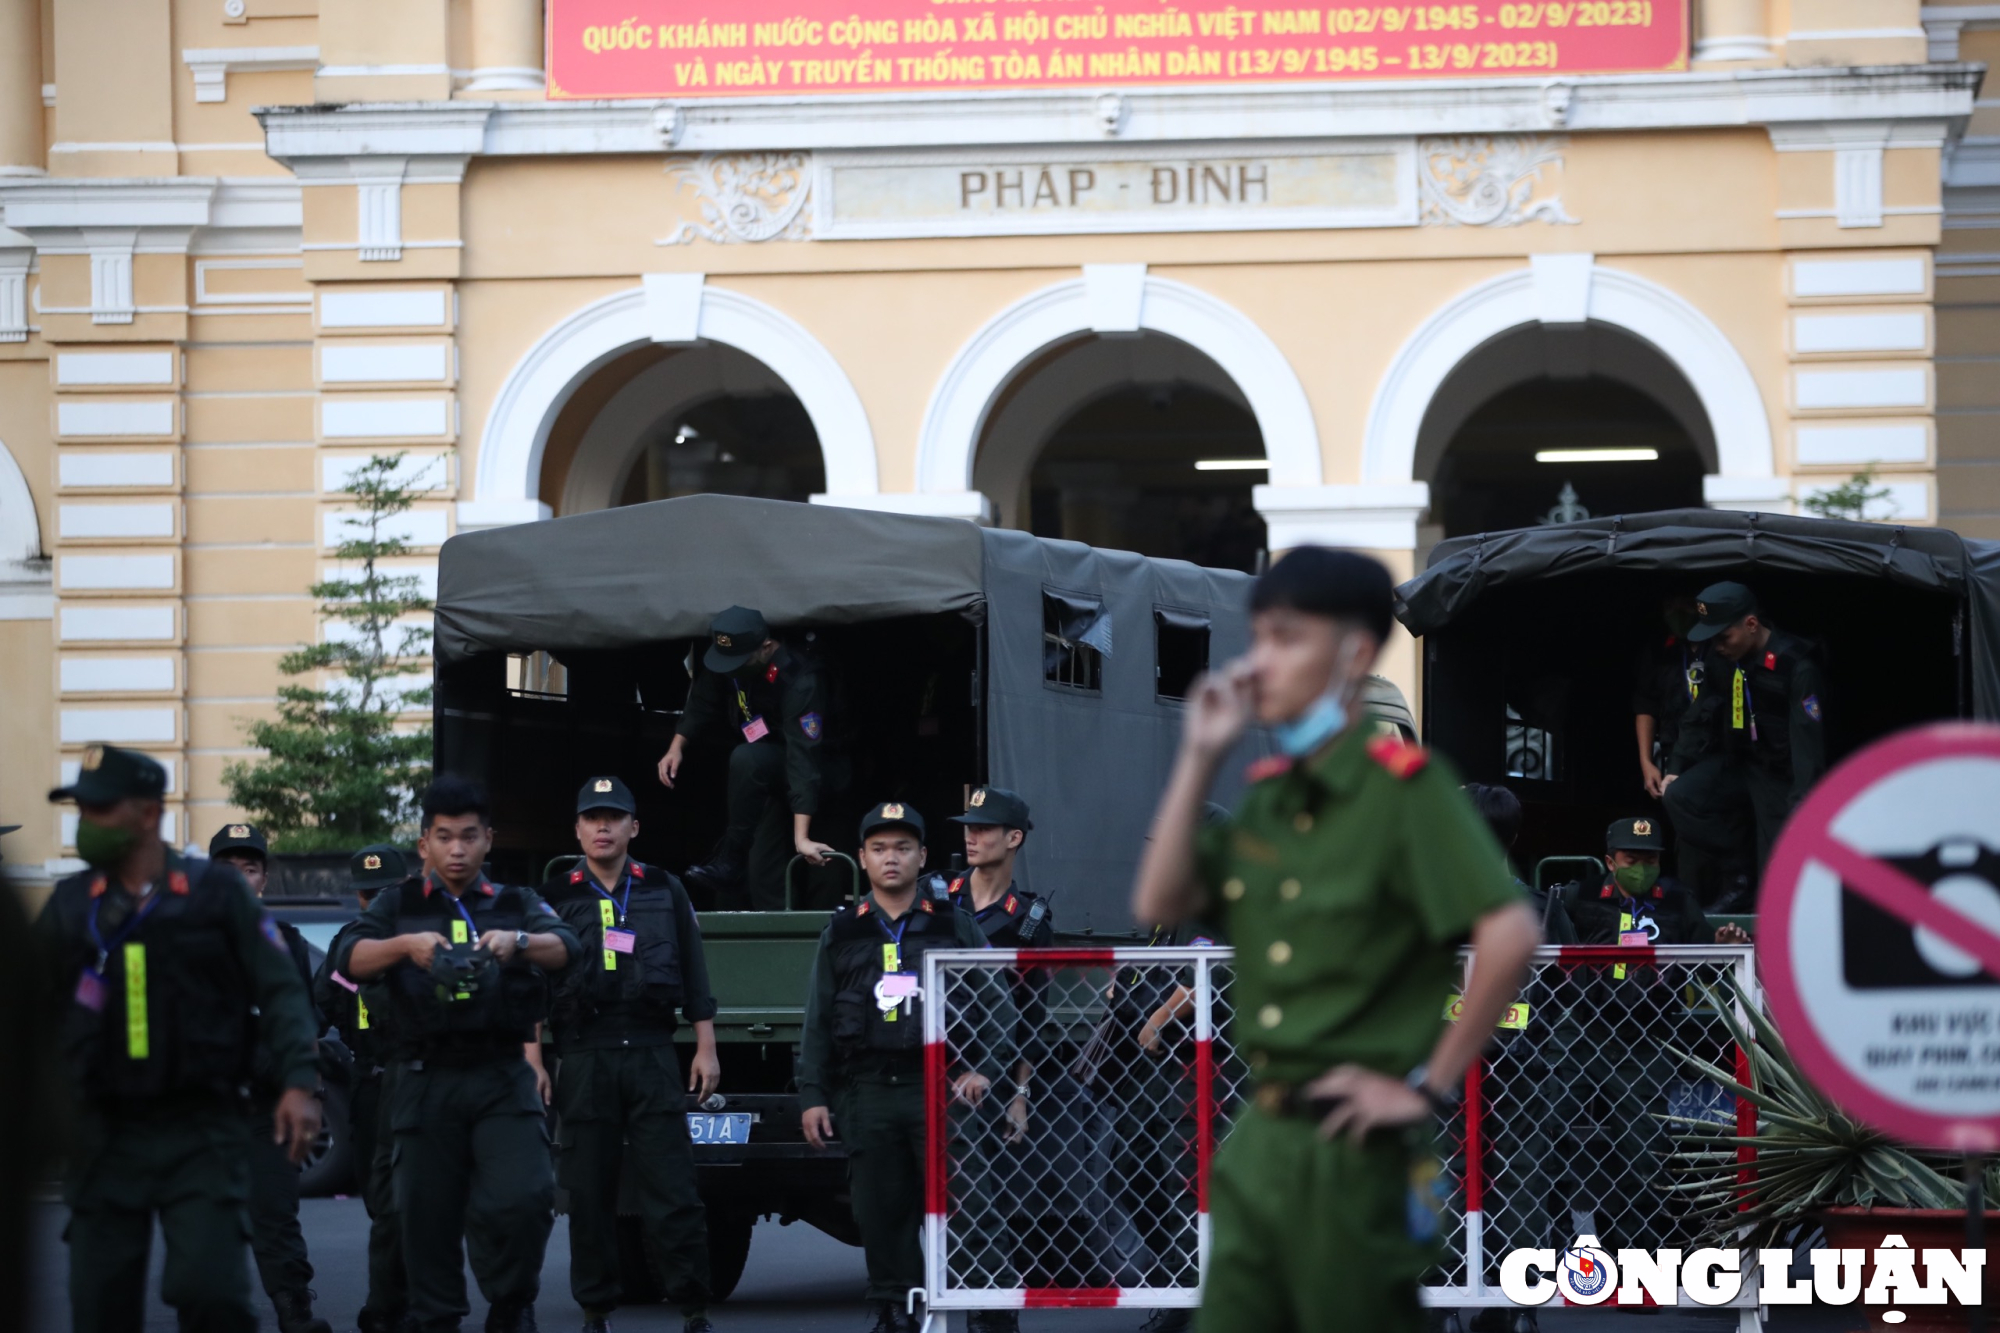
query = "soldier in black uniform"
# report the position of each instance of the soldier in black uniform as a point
(863, 1049)
(1664, 682)
(276, 1242)
(1752, 744)
(361, 1017)
(167, 975)
(465, 965)
(996, 824)
(768, 705)
(1628, 1016)
(619, 1083)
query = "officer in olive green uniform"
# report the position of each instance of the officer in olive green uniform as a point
(167, 975)
(768, 706)
(360, 1015)
(619, 1086)
(1352, 870)
(464, 962)
(1630, 1017)
(276, 1242)
(1751, 745)
(862, 1052)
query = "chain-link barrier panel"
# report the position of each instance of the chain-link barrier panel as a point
(1080, 1178)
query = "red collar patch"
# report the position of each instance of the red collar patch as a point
(576, 876)
(863, 909)
(98, 885)
(1770, 661)
(771, 676)
(178, 882)
(1270, 766)
(1398, 756)
(957, 886)
(1010, 904)
(1607, 891)
(925, 904)
(634, 869)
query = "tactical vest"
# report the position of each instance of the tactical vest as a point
(649, 977)
(855, 950)
(500, 1007)
(361, 1014)
(1022, 921)
(177, 1016)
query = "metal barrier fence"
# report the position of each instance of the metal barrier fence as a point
(1091, 1190)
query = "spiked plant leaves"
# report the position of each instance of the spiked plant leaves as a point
(338, 771)
(1810, 1156)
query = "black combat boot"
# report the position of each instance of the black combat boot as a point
(511, 1317)
(719, 881)
(596, 1323)
(295, 1313)
(375, 1321)
(891, 1317)
(697, 1322)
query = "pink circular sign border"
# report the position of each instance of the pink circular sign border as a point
(1808, 827)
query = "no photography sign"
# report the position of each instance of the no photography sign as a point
(1879, 938)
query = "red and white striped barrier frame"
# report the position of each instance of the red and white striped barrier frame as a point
(939, 1295)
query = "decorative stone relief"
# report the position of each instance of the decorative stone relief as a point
(745, 198)
(1498, 180)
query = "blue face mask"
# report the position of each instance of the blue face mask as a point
(1312, 728)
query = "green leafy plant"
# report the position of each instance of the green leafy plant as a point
(1850, 499)
(1810, 1155)
(340, 768)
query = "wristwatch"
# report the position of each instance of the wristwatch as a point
(521, 940)
(1444, 1104)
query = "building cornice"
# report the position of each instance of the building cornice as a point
(1941, 93)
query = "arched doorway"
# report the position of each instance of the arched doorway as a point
(1547, 422)
(1134, 442)
(664, 421)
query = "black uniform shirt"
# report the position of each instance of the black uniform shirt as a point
(1780, 725)
(611, 1023)
(1669, 914)
(382, 920)
(783, 702)
(1661, 688)
(1006, 924)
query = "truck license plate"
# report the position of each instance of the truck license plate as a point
(721, 1127)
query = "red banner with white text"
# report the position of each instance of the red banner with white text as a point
(748, 48)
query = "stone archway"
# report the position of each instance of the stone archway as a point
(26, 591)
(1108, 300)
(1572, 292)
(672, 309)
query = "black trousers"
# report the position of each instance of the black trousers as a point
(374, 1158)
(472, 1165)
(276, 1241)
(188, 1168)
(883, 1127)
(1727, 815)
(624, 1112)
(759, 834)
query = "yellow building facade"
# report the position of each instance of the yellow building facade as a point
(247, 244)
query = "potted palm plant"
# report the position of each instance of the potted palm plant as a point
(1816, 1170)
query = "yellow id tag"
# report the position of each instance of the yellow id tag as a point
(138, 1041)
(610, 919)
(1625, 918)
(1736, 700)
(458, 935)
(361, 1013)
(891, 962)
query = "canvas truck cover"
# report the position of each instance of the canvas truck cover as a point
(1732, 545)
(1091, 762)
(657, 571)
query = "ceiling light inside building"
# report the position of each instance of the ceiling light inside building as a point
(1232, 465)
(1597, 455)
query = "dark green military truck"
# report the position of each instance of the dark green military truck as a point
(954, 656)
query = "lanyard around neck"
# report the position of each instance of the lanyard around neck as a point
(624, 899)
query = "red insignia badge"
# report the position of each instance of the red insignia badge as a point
(576, 877)
(178, 882)
(1770, 661)
(1268, 767)
(771, 676)
(1009, 909)
(638, 871)
(1398, 756)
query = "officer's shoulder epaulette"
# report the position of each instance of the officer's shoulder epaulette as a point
(1270, 766)
(1402, 759)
